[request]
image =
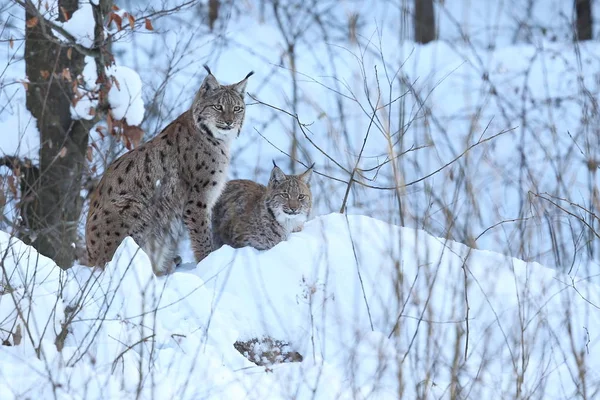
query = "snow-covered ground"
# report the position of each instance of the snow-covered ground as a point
(376, 311)
(519, 71)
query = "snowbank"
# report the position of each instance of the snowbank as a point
(376, 311)
(125, 95)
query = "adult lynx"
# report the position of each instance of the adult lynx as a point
(175, 178)
(250, 214)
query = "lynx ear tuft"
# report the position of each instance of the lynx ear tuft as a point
(207, 69)
(240, 87)
(209, 84)
(306, 175)
(277, 175)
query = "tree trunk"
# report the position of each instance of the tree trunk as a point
(583, 11)
(56, 203)
(424, 21)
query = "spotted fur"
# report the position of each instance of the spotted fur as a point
(250, 214)
(172, 180)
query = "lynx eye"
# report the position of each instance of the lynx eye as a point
(284, 195)
(301, 197)
(218, 107)
(237, 109)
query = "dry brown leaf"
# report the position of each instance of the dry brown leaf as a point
(134, 134)
(118, 21)
(131, 21)
(25, 84)
(2, 195)
(99, 129)
(12, 184)
(116, 82)
(32, 22)
(127, 142)
(148, 24)
(11, 42)
(62, 153)
(115, 8)
(64, 13)
(17, 336)
(109, 123)
(44, 74)
(69, 53)
(66, 74)
(92, 111)
(89, 153)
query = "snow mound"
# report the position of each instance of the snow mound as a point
(81, 25)
(125, 95)
(373, 310)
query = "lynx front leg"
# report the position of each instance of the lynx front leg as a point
(197, 220)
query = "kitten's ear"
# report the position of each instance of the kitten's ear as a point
(209, 84)
(277, 175)
(240, 87)
(306, 175)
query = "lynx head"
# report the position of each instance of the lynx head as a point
(220, 108)
(289, 197)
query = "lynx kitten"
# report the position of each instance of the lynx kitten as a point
(250, 214)
(174, 179)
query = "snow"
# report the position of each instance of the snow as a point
(81, 25)
(25, 139)
(368, 305)
(125, 95)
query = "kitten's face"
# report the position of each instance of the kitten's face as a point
(220, 107)
(289, 196)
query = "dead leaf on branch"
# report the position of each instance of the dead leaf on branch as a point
(32, 22)
(116, 82)
(66, 74)
(115, 8)
(17, 336)
(69, 53)
(12, 186)
(133, 134)
(131, 20)
(64, 13)
(11, 42)
(117, 19)
(148, 24)
(62, 153)
(44, 74)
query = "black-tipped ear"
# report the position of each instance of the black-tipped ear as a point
(277, 175)
(208, 85)
(274, 163)
(207, 69)
(306, 175)
(240, 87)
